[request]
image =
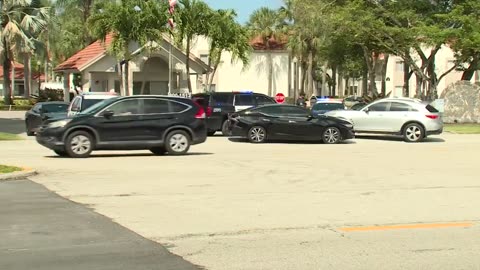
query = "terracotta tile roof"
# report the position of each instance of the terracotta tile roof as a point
(85, 56)
(275, 44)
(19, 73)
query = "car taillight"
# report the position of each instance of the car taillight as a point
(200, 112)
(209, 111)
(432, 116)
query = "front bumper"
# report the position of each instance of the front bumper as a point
(51, 138)
(348, 134)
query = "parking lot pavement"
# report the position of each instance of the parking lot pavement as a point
(40, 230)
(234, 205)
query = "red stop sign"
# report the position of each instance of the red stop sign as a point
(280, 98)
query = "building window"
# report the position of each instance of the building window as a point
(399, 66)
(204, 58)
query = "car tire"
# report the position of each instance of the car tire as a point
(158, 151)
(177, 142)
(257, 134)
(61, 153)
(30, 133)
(225, 131)
(413, 133)
(211, 133)
(79, 144)
(331, 135)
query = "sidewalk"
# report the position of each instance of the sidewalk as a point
(42, 231)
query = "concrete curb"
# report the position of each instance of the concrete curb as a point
(26, 172)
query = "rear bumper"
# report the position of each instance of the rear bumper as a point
(434, 132)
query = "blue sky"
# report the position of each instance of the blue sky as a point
(243, 7)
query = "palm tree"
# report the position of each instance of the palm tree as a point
(84, 7)
(146, 22)
(226, 35)
(193, 19)
(18, 19)
(267, 24)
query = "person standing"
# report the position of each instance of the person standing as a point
(301, 101)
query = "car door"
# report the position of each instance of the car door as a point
(34, 118)
(124, 125)
(373, 118)
(159, 115)
(263, 100)
(270, 117)
(397, 115)
(299, 124)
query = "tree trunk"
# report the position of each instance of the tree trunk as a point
(290, 89)
(418, 89)
(6, 74)
(341, 91)
(371, 65)
(470, 71)
(406, 79)
(123, 74)
(334, 81)
(304, 76)
(384, 74)
(295, 79)
(215, 68)
(27, 76)
(270, 73)
(347, 86)
(324, 79)
(187, 65)
(364, 82)
(309, 75)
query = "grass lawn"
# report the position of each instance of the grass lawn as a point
(8, 169)
(9, 137)
(463, 128)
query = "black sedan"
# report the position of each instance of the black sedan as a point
(288, 122)
(43, 111)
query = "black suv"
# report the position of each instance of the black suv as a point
(218, 105)
(161, 124)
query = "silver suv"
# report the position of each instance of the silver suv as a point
(411, 118)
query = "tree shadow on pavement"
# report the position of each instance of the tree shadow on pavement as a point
(12, 126)
(396, 138)
(241, 140)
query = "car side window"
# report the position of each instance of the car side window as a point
(155, 106)
(222, 99)
(379, 107)
(262, 100)
(76, 103)
(401, 107)
(125, 107)
(244, 100)
(270, 110)
(292, 111)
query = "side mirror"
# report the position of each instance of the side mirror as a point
(108, 113)
(366, 110)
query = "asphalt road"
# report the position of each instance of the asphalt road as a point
(234, 205)
(40, 230)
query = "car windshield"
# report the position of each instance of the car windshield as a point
(96, 104)
(54, 108)
(327, 106)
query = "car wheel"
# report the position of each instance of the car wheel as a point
(177, 142)
(79, 144)
(413, 133)
(158, 151)
(61, 153)
(225, 130)
(30, 133)
(331, 135)
(211, 133)
(257, 134)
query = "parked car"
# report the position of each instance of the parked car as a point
(411, 118)
(160, 124)
(323, 106)
(84, 101)
(288, 122)
(219, 104)
(43, 111)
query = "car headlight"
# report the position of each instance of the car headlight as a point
(60, 123)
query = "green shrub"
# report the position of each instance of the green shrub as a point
(50, 95)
